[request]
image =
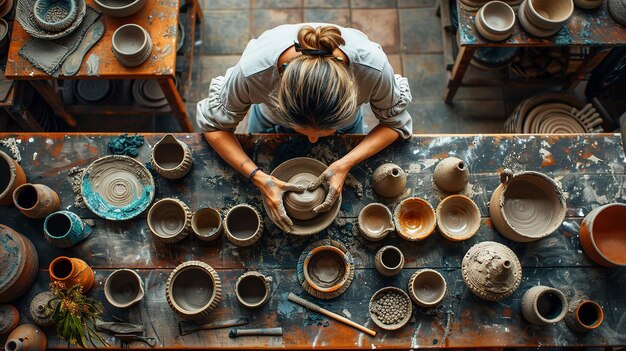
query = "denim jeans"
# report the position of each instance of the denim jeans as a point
(258, 123)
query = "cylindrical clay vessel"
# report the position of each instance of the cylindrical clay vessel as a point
(11, 176)
(451, 175)
(193, 290)
(389, 261)
(17, 278)
(584, 315)
(544, 305)
(389, 180)
(171, 158)
(169, 220)
(253, 289)
(71, 272)
(35, 200)
(243, 225)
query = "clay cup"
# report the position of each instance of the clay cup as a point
(123, 288)
(169, 220)
(389, 261)
(132, 45)
(495, 20)
(243, 225)
(206, 224)
(584, 315)
(543, 305)
(253, 289)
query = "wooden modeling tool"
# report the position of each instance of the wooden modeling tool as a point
(234, 333)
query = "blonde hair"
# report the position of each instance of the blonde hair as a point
(317, 90)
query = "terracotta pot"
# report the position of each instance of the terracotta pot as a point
(584, 315)
(253, 289)
(495, 20)
(326, 268)
(427, 288)
(458, 218)
(491, 271)
(171, 158)
(193, 290)
(26, 337)
(169, 220)
(65, 229)
(9, 318)
(544, 305)
(11, 176)
(375, 222)
(603, 235)
(414, 219)
(451, 175)
(35, 200)
(389, 261)
(389, 180)
(38, 312)
(243, 225)
(206, 223)
(20, 263)
(399, 306)
(300, 205)
(527, 206)
(123, 288)
(71, 271)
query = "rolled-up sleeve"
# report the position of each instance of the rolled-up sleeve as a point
(390, 97)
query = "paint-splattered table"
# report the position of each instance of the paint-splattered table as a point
(590, 169)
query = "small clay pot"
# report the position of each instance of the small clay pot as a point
(584, 315)
(491, 271)
(206, 223)
(451, 175)
(11, 176)
(389, 261)
(20, 264)
(39, 311)
(326, 268)
(588, 4)
(253, 289)
(375, 222)
(401, 320)
(414, 219)
(389, 180)
(300, 205)
(132, 45)
(193, 290)
(9, 318)
(26, 337)
(544, 18)
(495, 20)
(543, 305)
(169, 220)
(603, 235)
(243, 225)
(427, 288)
(71, 272)
(35, 200)
(123, 288)
(65, 229)
(171, 158)
(458, 218)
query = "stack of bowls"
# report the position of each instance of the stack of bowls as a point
(120, 8)
(543, 18)
(495, 20)
(55, 15)
(132, 45)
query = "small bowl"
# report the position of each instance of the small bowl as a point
(132, 45)
(243, 225)
(375, 222)
(603, 235)
(206, 223)
(458, 218)
(120, 8)
(427, 288)
(123, 288)
(55, 15)
(550, 14)
(495, 20)
(414, 219)
(326, 268)
(169, 220)
(253, 289)
(373, 307)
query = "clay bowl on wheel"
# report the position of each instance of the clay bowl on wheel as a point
(120, 8)
(414, 219)
(495, 20)
(326, 268)
(458, 218)
(603, 235)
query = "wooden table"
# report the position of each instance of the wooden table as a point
(590, 168)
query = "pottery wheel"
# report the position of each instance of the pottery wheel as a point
(321, 275)
(117, 187)
(480, 269)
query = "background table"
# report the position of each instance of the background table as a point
(590, 168)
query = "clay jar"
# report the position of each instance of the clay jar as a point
(526, 206)
(389, 180)
(375, 222)
(427, 288)
(65, 229)
(71, 271)
(451, 175)
(26, 337)
(169, 220)
(39, 312)
(544, 305)
(389, 261)
(491, 271)
(11, 176)
(603, 235)
(193, 290)
(9, 318)
(326, 268)
(123, 288)
(206, 224)
(243, 225)
(495, 20)
(20, 263)
(253, 289)
(171, 158)
(35, 200)
(458, 218)
(414, 219)
(300, 205)
(584, 315)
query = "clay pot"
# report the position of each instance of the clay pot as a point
(414, 219)
(491, 271)
(404, 300)
(458, 218)
(588, 4)
(495, 20)
(584, 315)
(26, 337)
(116, 8)
(389, 180)
(171, 158)
(20, 263)
(527, 206)
(300, 205)
(132, 45)
(544, 18)
(427, 288)
(169, 220)
(617, 10)
(193, 290)
(38, 312)
(326, 268)
(603, 235)
(375, 222)
(35, 200)
(389, 261)
(9, 318)
(253, 289)
(123, 288)
(65, 229)
(11, 176)
(451, 175)
(206, 223)
(44, 13)
(544, 305)
(243, 225)
(71, 271)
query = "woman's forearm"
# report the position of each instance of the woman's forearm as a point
(230, 150)
(376, 140)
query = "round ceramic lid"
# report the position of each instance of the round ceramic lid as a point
(12, 258)
(93, 90)
(139, 92)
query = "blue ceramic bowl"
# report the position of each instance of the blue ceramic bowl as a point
(55, 15)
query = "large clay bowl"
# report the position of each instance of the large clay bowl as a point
(326, 268)
(427, 287)
(495, 20)
(603, 235)
(193, 290)
(414, 219)
(169, 220)
(11, 176)
(458, 218)
(549, 14)
(402, 296)
(120, 8)
(375, 222)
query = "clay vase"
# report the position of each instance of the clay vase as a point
(491, 271)
(375, 222)
(206, 224)
(389, 180)
(389, 261)
(65, 229)
(451, 175)
(543, 305)
(300, 205)
(38, 312)
(11, 176)
(71, 271)
(9, 318)
(35, 200)
(527, 206)
(171, 158)
(169, 220)
(414, 219)
(603, 235)
(427, 288)
(253, 289)
(584, 315)
(326, 268)
(123, 288)
(26, 337)
(20, 263)
(193, 290)
(243, 225)
(458, 218)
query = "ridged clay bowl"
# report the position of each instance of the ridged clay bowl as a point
(495, 20)
(375, 222)
(243, 225)
(132, 45)
(120, 8)
(193, 290)
(326, 268)
(206, 224)
(458, 218)
(169, 220)
(544, 18)
(253, 289)
(603, 235)
(55, 15)
(427, 288)
(414, 219)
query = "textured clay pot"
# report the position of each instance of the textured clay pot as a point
(326, 268)
(458, 218)
(389, 261)
(206, 224)
(169, 220)
(495, 20)
(171, 158)
(253, 289)
(491, 271)
(65, 229)
(71, 271)
(375, 222)
(26, 337)
(527, 206)
(427, 288)
(193, 290)
(543, 305)
(389, 180)
(11, 176)
(414, 219)
(38, 311)
(603, 235)
(584, 315)
(20, 263)
(123, 288)
(132, 45)
(451, 175)
(404, 299)
(35, 200)
(300, 205)
(243, 225)
(9, 318)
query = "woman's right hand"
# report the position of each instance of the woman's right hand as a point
(273, 191)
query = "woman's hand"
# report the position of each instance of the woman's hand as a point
(335, 175)
(273, 191)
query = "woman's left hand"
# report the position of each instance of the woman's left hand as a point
(335, 175)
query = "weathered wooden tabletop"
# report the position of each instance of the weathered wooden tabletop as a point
(590, 169)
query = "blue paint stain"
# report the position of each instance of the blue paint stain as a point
(286, 308)
(108, 211)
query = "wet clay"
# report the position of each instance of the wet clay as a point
(375, 222)
(491, 271)
(451, 174)
(300, 205)
(326, 268)
(458, 218)
(414, 219)
(193, 289)
(389, 180)
(603, 235)
(427, 287)
(243, 225)
(169, 220)
(123, 288)
(252, 289)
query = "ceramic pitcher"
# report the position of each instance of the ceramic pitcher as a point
(123, 288)
(171, 158)
(65, 229)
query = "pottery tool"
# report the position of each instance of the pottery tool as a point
(186, 327)
(118, 327)
(234, 333)
(150, 341)
(72, 64)
(313, 307)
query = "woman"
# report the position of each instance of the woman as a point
(311, 80)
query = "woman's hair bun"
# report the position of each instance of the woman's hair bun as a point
(320, 38)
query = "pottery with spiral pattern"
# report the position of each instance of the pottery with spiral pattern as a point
(171, 158)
